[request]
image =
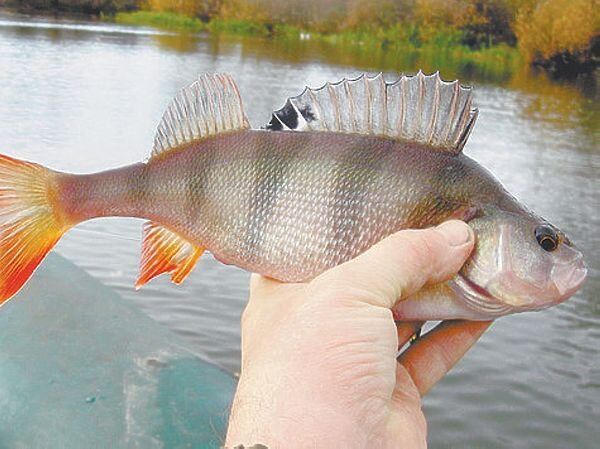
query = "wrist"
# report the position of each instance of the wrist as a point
(289, 414)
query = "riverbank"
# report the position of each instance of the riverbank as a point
(560, 37)
(433, 48)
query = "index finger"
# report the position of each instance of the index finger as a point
(433, 355)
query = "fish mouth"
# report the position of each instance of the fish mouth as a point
(478, 298)
(567, 280)
(484, 301)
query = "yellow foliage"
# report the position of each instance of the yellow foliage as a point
(454, 13)
(543, 28)
(191, 8)
(380, 13)
(555, 26)
(250, 10)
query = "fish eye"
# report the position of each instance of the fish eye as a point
(547, 237)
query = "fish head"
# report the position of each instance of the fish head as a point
(520, 262)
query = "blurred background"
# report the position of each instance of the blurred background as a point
(83, 85)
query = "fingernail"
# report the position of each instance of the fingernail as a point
(456, 232)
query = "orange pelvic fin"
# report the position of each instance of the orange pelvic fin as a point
(30, 221)
(164, 251)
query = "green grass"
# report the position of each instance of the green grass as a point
(178, 22)
(431, 50)
(238, 27)
(385, 48)
(163, 20)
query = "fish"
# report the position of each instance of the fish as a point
(334, 171)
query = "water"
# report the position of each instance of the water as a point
(83, 97)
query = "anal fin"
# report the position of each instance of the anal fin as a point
(164, 251)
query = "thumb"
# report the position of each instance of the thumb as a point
(403, 263)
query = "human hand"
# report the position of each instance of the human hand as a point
(319, 367)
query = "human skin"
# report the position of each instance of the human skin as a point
(319, 359)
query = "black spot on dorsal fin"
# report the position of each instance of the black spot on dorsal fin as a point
(419, 108)
(308, 114)
(289, 117)
(274, 124)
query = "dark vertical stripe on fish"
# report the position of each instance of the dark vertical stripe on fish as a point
(196, 201)
(137, 186)
(350, 189)
(200, 204)
(272, 166)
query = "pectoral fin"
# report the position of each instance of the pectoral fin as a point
(164, 251)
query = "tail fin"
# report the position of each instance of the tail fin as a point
(29, 221)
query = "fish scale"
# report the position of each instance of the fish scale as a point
(325, 207)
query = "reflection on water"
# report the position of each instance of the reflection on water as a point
(84, 97)
(558, 104)
(182, 43)
(451, 63)
(562, 105)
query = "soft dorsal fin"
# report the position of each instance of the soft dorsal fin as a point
(163, 251)
(210, 105)
(420, 108)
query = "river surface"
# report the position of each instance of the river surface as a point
(84, 97)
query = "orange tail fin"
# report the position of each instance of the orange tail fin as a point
(30, 223)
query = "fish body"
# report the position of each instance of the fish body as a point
(290, 204)
(278, 204)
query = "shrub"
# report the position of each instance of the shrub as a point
(552, 27)
(204, 9)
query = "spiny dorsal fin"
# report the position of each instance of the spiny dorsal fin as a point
(210, 105)
(164, 251)
(420, 108)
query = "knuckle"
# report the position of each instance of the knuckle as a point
(418, 250)
(325, 292)
(327, 283)
(338, 278)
